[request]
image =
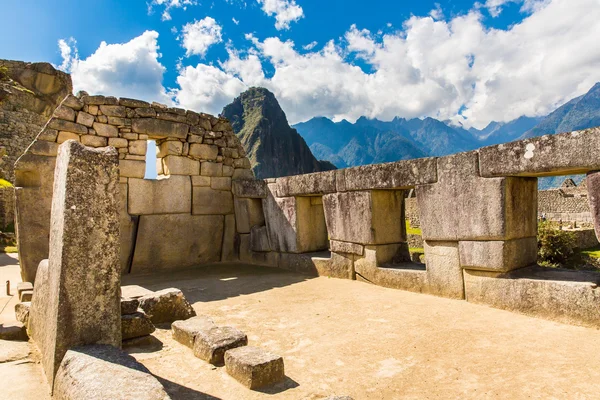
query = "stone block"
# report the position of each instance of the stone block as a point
(133, 103)
(175, 165)
(346, 247)
(499, 256)
(397, 175)
(132, 168)
(550, 155)
(177, 241)
(22, 286)
(13, 330)
(94, 141)
(318, 183)
(138, 147)
(83, 271)
(212, 344)
(105, 372)
(65, 113)
(85, 119)
(201, 180)
(22, 312)
(259, 239)
(185, 331)
(242, 173)
(211, 169)
(267, 259)
(113, 111)
(444, 273)
(253, 367)
(220, 183)
(204, 151)
(250, 188)
(166, 305)
(68, 126)
(593, 189)
(248, 212)
(207, 201)
(118, 142)
(464, 206)
(127, 228)
(44, 148)
(26, 295)
(365, 217)
(170, 147)
(64, 136)
(163, 196)
(129, 305)
(159, 128)
(105, 130)
(136, 325)
(229, 252)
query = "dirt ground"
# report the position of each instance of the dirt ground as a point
(351, 338)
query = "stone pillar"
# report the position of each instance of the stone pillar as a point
(593, 187)
(76, 297)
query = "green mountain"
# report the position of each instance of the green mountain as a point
(273, 147)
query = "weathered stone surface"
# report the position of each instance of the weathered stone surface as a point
(94, 141)
(159, 128)
(562, 154)
(44, 148)
(242, 173)
(317, 183)
(220, 183)
(185, 331)
(207, 201)
(204, 151)
(593, 188)
(175, 165)
(100, 372)
(26, 295)
(129, 305)
(163, 196)
(444, 273)
(62, 125)
(127, 227)
(138, 147)
(212, 344)
(464, 206)
(113, 111)
(132, 169)
(396, 175)
(267, 259)
(346, 247)
(65, 113)
(250, 188)
(22, 286)
(499, 256)
(105, 130)
(83, 272)
(208, 168)
(13, 351)
(177, 241)
(201, 181)
(136, 325)
(86, 119)
(259, 239)
(170, 147)
(118, 142)
(562, 295)
(248, 213)
(229, 251)
(365, 217)
(22, 312)
(166, 305)
(133, 103)
(254, 367)
(14, 330)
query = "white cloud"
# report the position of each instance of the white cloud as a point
(168, 5)
(285, 11)
(494, 7)
(437, 12)
(235, 21)
(128, 69)
(310, 46)
(198, 36)
(447, 69)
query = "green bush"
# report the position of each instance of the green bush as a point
(3, 73)
(555, 246)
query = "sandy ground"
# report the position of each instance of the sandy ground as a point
(350, 338)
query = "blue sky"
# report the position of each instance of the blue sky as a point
(461, 60)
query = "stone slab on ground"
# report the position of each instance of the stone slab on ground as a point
(166, 305)
(185, 331)
(101, 372)
(254, 367)
(136, 325)
(211, 345)
(13, 330)
(13, 351)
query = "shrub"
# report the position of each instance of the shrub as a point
(3, 73)
(554, 245)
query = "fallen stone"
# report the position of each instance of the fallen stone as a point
(136, 325)
(254, 367)
(13, 331)
(26, 295)
(166, 305)
(211, 345)
(102, 372)
(13, 351)
(186, 331)
(129, 306)
(22, 312)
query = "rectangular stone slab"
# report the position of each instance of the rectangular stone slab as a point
(499, 256)
(211, 345)
(254, 367)
(397, 175)
(185, 331)
(164, 196)
(314, 184)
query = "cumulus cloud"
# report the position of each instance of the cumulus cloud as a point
(198, 36)
(167, 5)
(129, 69)
(494, 7)
(285, 11)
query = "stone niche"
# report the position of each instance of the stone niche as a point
(186, 217)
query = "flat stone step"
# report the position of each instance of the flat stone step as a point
(254, 367)
(212, 344)
(185, 331)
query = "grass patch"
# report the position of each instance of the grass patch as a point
(416, 250)
(593, 253)
(412, 231)
(4, 183)
(9, 249)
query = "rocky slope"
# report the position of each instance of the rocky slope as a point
(273, 147)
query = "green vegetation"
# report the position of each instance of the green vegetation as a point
(416, 250)
(592, 253)
(9, 249)
(4, 183)
(555, 246)
(3, 73)
(412, 231)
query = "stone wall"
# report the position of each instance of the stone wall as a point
(565, 204)
(184, 218)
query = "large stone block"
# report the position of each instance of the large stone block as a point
(444, 273)
(177, 241)
(259, 239)
(562, 154)
(211, 345)
(164, 196)
(166, 305)
(207, 201)
(185, 331)
(229, 251)
(128, 229)
(248, 213)
(464, 206)
(365, 217)
(160, 128)
(136, 325)
(250, 188)
(254, 367)
(499, 256)
(593, 188)
(397, 175)
(132, 168)
(175, 165)
(318, 183)
(105, 372)
(80, 292)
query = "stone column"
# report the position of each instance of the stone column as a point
(76, 297)
(593, 187)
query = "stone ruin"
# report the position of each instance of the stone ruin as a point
(477, 211)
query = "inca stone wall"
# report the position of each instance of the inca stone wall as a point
(184, 218)
(565, 204)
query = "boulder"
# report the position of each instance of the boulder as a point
(254, 367)
(212, 344)
(166, 305)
